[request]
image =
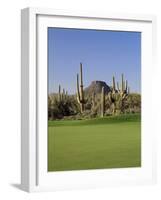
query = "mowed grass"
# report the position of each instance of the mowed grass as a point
(110, 142)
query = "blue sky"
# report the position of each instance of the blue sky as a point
(103, 54)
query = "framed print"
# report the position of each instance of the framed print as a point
(87, 109)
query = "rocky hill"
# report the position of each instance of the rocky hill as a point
(96, 87)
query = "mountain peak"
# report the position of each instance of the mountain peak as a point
(96, 87)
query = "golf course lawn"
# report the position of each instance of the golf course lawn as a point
(109, 142)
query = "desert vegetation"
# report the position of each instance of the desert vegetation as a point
(97, 100)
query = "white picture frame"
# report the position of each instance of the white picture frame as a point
(34, 175)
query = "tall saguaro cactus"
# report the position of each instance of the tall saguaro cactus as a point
(102, 102)
(80, 93)
(124, 88)
(62, 95)
(118, 96)
(113, 83)
(59, 93)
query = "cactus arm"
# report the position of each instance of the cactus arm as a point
(126, 87)
(78, 93)
(113, 80)
(63, 94)
(118, 87)
(63, 91)
(122, 82)
(81, 75)
(59, 89)
(81, 84)
(128, 90)
(59, 93)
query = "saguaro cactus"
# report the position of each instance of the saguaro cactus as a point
(102, 102)
(128, 90)
(124, 88)
(113, 83)
(118, 96)
(62, 95)
(59, 93)
(80, 93)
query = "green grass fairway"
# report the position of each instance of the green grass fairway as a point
(110, 142)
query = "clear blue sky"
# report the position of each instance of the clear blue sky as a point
(103, 54)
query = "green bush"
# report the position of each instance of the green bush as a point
(57, 109)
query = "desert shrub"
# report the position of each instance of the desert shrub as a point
(57, 109)
(133, 103)
(69, 108)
